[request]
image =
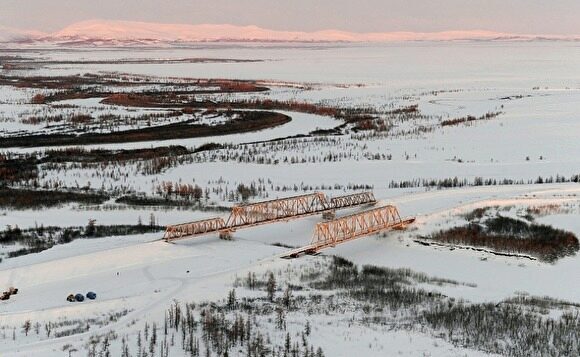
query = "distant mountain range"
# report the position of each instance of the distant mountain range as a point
(8, 34)
(113, 33)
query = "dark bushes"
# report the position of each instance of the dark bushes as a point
(469, 119)
(506, 329)
(208, 147)
(513, 327)
(17, 169)
(101, 155)
(246, 122)
(452, 182)
(26, 199)
(41, 238)
(379, 285)
(513, 236)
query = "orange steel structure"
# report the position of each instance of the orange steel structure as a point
(194, 228)
(275, 210)
(344, 229)
(248, 215)
(352, 200)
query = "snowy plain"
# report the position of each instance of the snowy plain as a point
(535, 85)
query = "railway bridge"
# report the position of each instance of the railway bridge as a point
(253, 214)
(326, 234)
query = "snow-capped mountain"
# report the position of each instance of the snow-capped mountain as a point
(105, 32)
(9, 34)
(129, 30)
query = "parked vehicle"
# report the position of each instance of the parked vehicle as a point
(79, 297)
(6, 294)
(91, 295)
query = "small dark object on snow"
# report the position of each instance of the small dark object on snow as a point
(91, 295)
(70, 298)
(79, 297)
(6, 294)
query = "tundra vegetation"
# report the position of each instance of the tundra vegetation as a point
(40, 238)
(244, 122)
(510, 235)
(285, 312)
(267, 313)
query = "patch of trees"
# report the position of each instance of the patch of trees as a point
(246, 192)
(168, 97)
(506, 329)
(233, 326)
(510, 235)
(14, 198)
(149, 160)
(16, 169)
(382, 286)
(209, 147)
(357, 115)
(291, 150)
(131, 99)
(244, 122)
(49, 82)
(40, 238)
(337, 130)
(454, 182)
(291, 105)
(60, 328)
(135, 200)
(476, 214)
(103, 122)
(79, 154)
(405, 110)
(514, 327)
(77, 84)
(183, 190)
(469, 119)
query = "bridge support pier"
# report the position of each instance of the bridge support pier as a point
(329, 215)
(226, 235)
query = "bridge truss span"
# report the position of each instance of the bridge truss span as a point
(347, 228)
(183, 230)
(352, 200)
(275, 210)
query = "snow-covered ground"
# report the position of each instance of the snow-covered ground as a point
(534, 86)
(143, 274)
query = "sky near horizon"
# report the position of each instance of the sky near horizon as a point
(557, 17)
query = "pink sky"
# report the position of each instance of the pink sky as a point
(503, 16)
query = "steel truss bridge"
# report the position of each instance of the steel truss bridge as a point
(253, 214)
(344, 229)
